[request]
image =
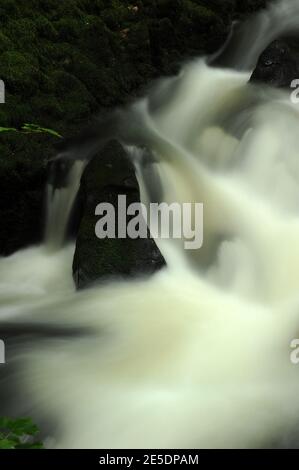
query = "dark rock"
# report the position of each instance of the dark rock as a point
(22, 202)
(278, 66)
(108, 175)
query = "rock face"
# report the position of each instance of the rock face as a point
(278, 66)
(23, 178)
(108, 175)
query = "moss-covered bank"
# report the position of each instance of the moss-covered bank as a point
(63, 61)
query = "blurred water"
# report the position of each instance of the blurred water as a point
(199, 355)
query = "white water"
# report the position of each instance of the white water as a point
(59, 204)
(199, 355)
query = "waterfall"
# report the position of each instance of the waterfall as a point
(247, 41)
(198, 356)
(60, 202)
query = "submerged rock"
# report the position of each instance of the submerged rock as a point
(106, 177)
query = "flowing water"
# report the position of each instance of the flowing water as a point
(198, 355)
(59, 204)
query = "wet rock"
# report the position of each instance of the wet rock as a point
(278, 66)
(22, 202)
(108, 175)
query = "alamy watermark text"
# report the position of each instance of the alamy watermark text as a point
(165, 221)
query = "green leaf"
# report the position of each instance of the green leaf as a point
(18, 434)
(4, 422)
(31, 129)
(23, 426)
(7, 444)
(8, 129)
(35, 128)
(51, 132)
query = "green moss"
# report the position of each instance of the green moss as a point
(63, 82)
(199, 19)
(95, 40)
(99, 83)
(9, 9)
(23, 32)
(45, 29)
(63, 61)
(20, 73)
(172, 9)
(68, 29)
(48, 106)
(56, 9)
(5, 43)
(119, 15)
(72, 96)
(17, 110)
(138, 44)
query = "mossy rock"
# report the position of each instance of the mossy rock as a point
(73, 98)
(108, 175)
(17, 110)
(23, 176)
(5, 43)
(23, 32)
(20, 73)
(63, 61)
(68, 29)
(45, 29)
(94, 31)
(9, 9)
(48, 107)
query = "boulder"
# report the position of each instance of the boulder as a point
(278, 65)
(106, 177)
